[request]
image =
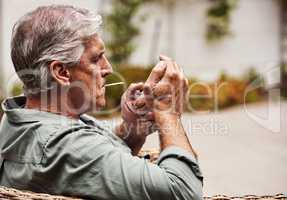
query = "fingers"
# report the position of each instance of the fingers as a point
(167, 69)
(139, 102)
(134, 90)
(139, 99)
(156, 74)
(150, 116)
(185, 85)
(179, 68)
(161, 89)
(172, 74)
(144, 98)
(164, 89)
(162, 95)
(148, 96)
(169, 93)
(164, 58)
(168, 59)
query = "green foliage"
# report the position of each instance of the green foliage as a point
(223, 76)
(113, 95)
(253, 96)
(218, 19)
(252, 75)
(225, 92)
(17, 89)
(133, 74)
(122, 29)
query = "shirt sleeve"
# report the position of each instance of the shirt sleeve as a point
(95, 168)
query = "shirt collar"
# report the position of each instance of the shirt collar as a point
(14, 108)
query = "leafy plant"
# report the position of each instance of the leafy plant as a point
(17, 89)
(218, 19)
(122, 29)
(225, 92)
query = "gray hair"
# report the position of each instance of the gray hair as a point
(46, 34)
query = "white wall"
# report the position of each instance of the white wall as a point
(255, 24)
(1, 49)
(255, 42)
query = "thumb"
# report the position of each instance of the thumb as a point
(164, 58)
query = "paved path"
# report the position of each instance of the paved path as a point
(237, 155)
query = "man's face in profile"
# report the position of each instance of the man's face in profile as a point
(88, 77)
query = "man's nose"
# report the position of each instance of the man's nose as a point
(107, 69)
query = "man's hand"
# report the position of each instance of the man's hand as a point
(157, 103)
(137, 117)
(167, 90)
(134, 105)
(137, 110)
(168, 95)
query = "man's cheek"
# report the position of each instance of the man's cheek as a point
(100, 102)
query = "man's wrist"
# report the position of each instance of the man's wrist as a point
(127, 132)
(123, 130)
(164, 119)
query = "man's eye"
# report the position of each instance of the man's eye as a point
(97, 58)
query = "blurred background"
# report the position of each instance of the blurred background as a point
(234, 53)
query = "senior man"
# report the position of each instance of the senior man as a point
(49, 145)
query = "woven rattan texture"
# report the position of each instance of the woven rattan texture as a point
(13, 194)
(152, 155)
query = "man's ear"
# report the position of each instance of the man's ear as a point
(60, 73)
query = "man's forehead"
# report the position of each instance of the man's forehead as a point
(95, 44)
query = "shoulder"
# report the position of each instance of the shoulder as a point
(72, 136)
(77, 147)
(81, 140)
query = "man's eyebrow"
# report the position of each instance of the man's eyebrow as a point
(96, 55)
(102, 51)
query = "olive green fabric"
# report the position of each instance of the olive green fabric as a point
(50, 153)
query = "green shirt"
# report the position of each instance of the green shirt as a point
(50, 153)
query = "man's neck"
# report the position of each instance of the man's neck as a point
(49, 104)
